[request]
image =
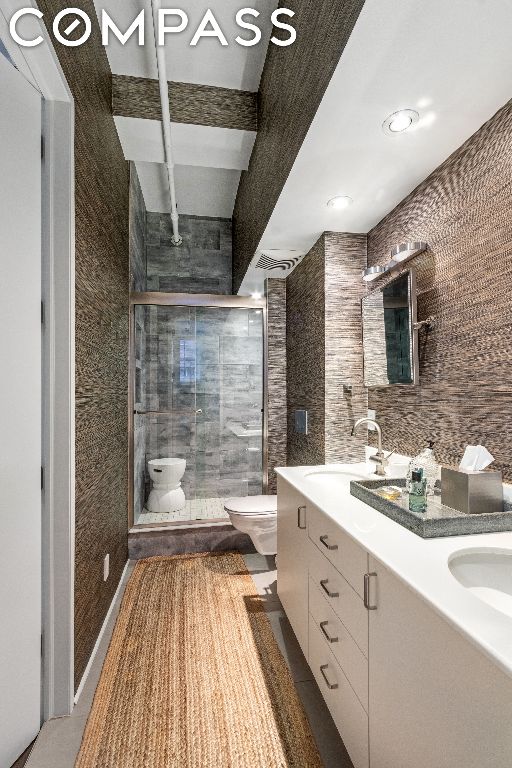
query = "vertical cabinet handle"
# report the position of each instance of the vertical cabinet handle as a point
(323, 625)
(330, 547)
(299, 517)
(331, 686)
(366, 593)
(323, 584)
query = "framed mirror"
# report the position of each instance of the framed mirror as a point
(390, 339)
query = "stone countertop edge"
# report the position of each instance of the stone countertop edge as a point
(420, 563)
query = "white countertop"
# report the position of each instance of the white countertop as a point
(420, 563)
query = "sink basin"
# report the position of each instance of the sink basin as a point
(332, 476)
(487, 573)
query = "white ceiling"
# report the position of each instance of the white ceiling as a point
(208, 160)
(192, 144)
(200, 191)
(209, 63)
(451, 60)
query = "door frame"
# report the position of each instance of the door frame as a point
(157, 298)
(41, 67)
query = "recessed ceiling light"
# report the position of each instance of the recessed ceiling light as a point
(340, 203)
(400, 121)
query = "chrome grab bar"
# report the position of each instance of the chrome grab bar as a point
(323, 584)
(331, 686)
(330, 547)
(323, 625)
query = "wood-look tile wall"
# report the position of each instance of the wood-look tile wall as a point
(276, 378)
(292, 85)
(463, 211)
(324, 350)
(102, 280)
(189, 103)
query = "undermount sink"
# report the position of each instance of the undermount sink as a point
(327, 476)
(486, 573)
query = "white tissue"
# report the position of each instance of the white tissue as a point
(476, 458)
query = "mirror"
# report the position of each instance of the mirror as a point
(389, 337)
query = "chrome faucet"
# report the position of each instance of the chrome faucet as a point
(379, 458)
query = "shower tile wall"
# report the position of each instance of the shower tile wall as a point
(201, 265)
(204, 365)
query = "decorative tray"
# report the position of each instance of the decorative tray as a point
(438, 520)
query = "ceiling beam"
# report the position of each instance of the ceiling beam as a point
(292, 86)
(189, 103)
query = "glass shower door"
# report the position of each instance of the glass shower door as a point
(199, 397)
(165, 404)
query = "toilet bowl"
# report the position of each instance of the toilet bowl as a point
(256, 516)
(166, 494)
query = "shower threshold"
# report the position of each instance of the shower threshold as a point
(196, 509)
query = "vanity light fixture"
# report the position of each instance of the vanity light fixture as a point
(340, 203)
(399, 255)
(400, 121)
(372, 273)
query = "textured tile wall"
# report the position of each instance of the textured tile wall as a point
(276, 378)
(292, 85)
(137, 233)
(102, 283)
(324, 350)
(305, 356)
(465, 281)
(189, 102)
(346, 398)
(203, 264)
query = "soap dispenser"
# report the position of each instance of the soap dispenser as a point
(426, 461)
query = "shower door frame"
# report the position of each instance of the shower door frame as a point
(159, 299)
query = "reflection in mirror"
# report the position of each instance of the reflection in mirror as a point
(389, 337)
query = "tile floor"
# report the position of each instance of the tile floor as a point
(197, 509)
(59, 740)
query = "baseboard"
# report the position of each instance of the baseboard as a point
(100, 636)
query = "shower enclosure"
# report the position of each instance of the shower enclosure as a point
(197, 373)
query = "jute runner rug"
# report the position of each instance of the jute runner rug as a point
(193, 677)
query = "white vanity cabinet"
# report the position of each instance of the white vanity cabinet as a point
(404, 687)
(292, 565)
(434, 698)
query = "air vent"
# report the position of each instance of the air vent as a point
(270, 262)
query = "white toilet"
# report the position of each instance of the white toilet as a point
(256, 516)
(166, 494)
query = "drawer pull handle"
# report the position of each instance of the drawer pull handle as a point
(330, 547)
(299, 510)
(331, 686)
(323, 625)
(366, 592)
(323, 584)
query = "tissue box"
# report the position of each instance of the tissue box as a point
(472, 492)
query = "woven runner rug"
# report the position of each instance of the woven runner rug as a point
(193, 677)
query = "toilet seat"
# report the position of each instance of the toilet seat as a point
(257, 517)
(252, 505)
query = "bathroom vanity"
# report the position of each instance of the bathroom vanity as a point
(402, 634)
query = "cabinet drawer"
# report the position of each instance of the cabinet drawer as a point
(344, 600)
(347, 712)
(348, 557)
(341, 643)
